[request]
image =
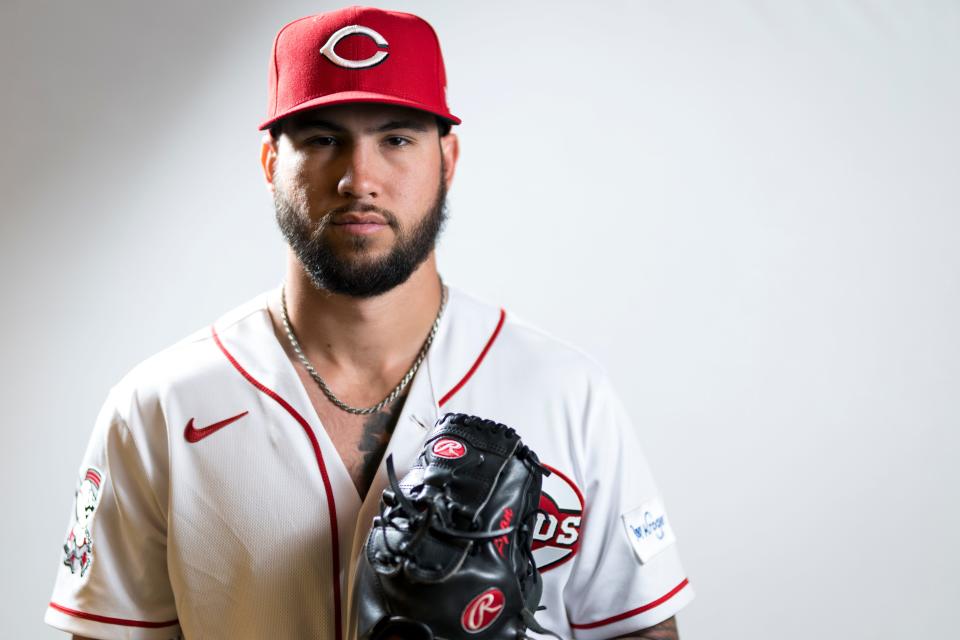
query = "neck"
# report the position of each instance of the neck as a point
(375, 338)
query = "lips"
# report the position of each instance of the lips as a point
(359, 218)
(359, 223)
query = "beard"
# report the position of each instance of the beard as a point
(354, 274)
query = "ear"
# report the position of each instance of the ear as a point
(268, 159)
(450, 148)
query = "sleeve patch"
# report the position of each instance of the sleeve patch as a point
(78, 549)
(648, 530)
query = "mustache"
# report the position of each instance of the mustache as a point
(359, 207)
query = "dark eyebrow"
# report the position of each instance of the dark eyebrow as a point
(392, 125)
(315, 123)
(413, 125)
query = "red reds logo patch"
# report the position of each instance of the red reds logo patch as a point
(482, 611)
(556, 533)
(449, 448)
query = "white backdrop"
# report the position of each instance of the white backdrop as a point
(748, 211)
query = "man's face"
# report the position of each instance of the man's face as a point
(360, 194)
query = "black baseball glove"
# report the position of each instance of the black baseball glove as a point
(450, 554)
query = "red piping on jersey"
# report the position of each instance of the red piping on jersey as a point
(633, 612)
(119, 621)
(483, 354)
(328, 488)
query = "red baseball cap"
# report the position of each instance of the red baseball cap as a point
(357, 54)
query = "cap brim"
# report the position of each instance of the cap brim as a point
(348, 97)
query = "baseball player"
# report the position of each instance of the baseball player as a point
(231, 479)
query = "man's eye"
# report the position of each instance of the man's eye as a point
(322, 141)
(397, 141)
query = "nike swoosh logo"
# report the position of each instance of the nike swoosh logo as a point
(192, 434)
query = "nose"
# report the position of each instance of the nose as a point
(360, 179)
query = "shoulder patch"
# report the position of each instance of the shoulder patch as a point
(78, 549)
(648, 529)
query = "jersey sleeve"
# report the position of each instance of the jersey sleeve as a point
(112, 581)
(627, 575)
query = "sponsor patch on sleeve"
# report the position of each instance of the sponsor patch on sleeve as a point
(648, 529)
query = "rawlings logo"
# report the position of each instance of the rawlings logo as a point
(449, 448)
(556, 532)
(482, 611)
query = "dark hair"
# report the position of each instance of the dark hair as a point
(443, 128)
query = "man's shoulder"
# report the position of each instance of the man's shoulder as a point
(514, 341)
(191, 357)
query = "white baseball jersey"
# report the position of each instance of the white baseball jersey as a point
(211, 502)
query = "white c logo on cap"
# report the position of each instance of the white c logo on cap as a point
(331, 55)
